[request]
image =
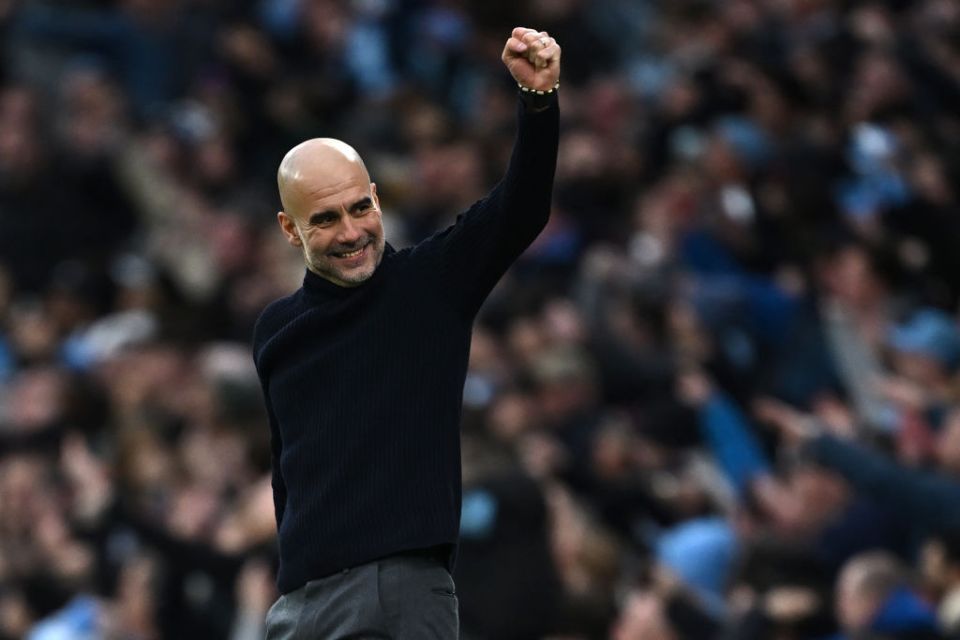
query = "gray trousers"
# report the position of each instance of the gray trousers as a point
(398, 598)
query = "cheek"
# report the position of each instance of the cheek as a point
(316, 240)
(373, 224)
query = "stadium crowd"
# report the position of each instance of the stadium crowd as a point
(718, 399)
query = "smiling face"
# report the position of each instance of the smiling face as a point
(331, 211)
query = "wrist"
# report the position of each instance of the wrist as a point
(538, 100)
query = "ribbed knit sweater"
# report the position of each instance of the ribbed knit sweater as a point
(363, 385)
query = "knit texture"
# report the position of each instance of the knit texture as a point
(363, 385)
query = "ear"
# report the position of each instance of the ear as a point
(289, 228)
(373, 194)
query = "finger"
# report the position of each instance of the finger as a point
(543, 42)
(520, 32)
(547, 55)
(515, 45)
(535, 38)
(525, 37)
(555, 52)
(535, 42)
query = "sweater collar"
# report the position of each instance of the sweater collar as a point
(319, 286)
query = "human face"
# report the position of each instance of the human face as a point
(340, 230)
(948, 444)
(854, 606)
(643, 618)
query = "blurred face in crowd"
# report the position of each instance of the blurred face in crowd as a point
(935, 567)
(948, 443)
(855, 607)
(864, 583)
(822, 495)
(850, 278)
(643, 618)
(331, 211)
(37, 398)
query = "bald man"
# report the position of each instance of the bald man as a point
(315, 179)
(363, 369)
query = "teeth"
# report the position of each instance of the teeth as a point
(352, 253)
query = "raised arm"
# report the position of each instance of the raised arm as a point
(928, 500)
(475, 252)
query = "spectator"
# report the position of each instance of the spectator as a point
(873, 597)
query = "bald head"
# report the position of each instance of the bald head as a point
(864, 583)
(331, 211)
(317, 166)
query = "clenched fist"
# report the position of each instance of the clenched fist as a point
(533, 58)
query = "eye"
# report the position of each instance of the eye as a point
(363, 209)
(323, 221)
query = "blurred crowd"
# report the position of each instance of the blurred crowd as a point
(718, 399)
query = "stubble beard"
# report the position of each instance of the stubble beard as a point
(326, 267)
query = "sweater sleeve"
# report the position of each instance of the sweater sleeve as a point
(276, 442)
(473, 254)
(276, 478)
(927, 499)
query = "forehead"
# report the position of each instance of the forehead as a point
(328, 190)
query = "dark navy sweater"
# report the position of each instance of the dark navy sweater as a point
(364, 385)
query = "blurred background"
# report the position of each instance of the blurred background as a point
(718, 399)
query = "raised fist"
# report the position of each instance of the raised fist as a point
(533, 58)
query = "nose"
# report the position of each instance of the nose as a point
(349, 232)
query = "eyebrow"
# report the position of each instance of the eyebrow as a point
(319, 216)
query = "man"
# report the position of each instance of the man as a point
(874, 599)
(363, 370)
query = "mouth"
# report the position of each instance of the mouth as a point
(350, 255)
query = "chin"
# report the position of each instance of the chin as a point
(356, 276)
(356, 279)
